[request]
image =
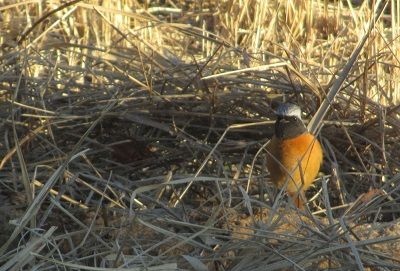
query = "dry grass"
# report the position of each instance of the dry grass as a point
(132, 134)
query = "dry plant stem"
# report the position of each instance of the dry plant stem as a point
(64, 197)
(24, 256)
(41, 19)
(235, 126)
(25, 140)
(38, 200)
(316, 121)
(184, 72)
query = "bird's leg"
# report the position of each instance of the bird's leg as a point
(298, 199)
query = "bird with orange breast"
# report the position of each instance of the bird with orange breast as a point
(294, 155)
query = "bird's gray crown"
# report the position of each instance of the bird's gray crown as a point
(288, 109)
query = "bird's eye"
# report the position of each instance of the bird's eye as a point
(291, 118)
(288, 118)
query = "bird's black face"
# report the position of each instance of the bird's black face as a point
(289, 127)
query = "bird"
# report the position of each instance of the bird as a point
(294, 155)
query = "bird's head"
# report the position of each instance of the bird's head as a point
(288, 121)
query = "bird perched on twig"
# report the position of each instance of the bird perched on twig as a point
(294, 155)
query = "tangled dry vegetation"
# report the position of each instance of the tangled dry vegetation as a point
(132, 134)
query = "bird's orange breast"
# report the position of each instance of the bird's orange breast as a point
(284, 157)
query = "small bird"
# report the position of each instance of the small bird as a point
(294, 155)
